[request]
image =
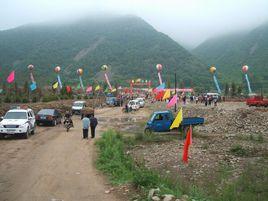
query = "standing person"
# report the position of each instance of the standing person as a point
(93, 125)
(184, 99)
(86, 123)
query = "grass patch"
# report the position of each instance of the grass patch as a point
(252, 137)
(154, 137)
(251, 185)
(238, 150)
(122, 169)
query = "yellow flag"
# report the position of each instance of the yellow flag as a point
(176, 123)
(166, 95)
(97, 88)
(55, 85)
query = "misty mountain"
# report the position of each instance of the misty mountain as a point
(128, 44)
(229, 53)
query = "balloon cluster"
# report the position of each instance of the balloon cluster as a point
(31, 67)
(245, 69)
(159, 67)
(212, 69)
(104, 67)
(57, 69)
(79, 71)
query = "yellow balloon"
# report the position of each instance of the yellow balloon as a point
(104, 67)
(212, 69)
(79, 71)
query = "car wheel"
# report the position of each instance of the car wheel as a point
(148, 131)
(54, 123)
(26, 135)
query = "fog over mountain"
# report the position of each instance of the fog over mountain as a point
(189, 22)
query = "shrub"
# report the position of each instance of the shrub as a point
(7, 99)
(50, 97)
(238, 150)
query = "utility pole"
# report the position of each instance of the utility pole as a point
(175, 107)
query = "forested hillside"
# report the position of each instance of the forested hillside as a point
(229, 53)
(128, 44)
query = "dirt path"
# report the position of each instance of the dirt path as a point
(51, 166)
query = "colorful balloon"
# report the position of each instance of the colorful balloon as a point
(79, 71)
(31, 67)
(104, 67)
(245, 68)
(159, 67)
(212, 69)
(57, 69)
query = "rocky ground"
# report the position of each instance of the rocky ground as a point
(233, 136)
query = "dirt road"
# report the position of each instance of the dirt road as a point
(52, 165)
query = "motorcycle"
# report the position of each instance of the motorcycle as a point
(68, 124)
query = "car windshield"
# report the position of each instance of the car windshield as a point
(16, 115)
(78, 104)
(46, 112)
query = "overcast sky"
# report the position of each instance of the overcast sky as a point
(188, 21)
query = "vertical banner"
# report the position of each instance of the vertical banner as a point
(216, 83)
(248, 83)
(59, 81)
(160, 78)
(108, 81)
(81, 82)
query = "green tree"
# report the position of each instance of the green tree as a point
(239, 89)
(233, 89)
(226, 90)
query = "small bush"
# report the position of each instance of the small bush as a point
(49, 98)
(7, 99)
(238, 150)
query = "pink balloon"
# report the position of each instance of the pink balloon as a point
(245, 68)
(31, 67)
(57, 69)
(159, 67)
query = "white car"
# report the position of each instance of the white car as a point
(78, 106)
(18, 122)
(133, 105)
(141, 102)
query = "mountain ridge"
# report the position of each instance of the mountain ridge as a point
(129, 44)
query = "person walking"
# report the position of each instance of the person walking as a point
(86, 124)
(93, 125)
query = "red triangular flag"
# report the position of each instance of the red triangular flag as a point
(11, 77)
(187, 143)
(68, 89)
(160, 95)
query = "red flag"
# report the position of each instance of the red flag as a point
(187, 143)
(160, 95)
(68, 89)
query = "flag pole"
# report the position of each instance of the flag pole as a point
(175, 107)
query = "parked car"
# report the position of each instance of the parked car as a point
(257, 101)
(78, 106)
(141, 102)
(49, 117)
(133, 105)
(19, 122)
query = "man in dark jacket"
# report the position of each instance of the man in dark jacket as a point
(93, 125)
